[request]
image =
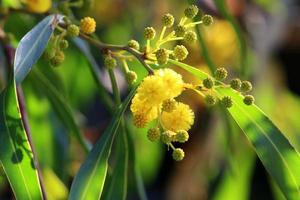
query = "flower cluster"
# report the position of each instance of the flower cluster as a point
(154, 100)
(58, 42)
(210, 83)
(38, 6)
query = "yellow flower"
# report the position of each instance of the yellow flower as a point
(38, 6)
(181, 118)
(88, 25)
(153, 91)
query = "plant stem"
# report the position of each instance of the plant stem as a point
(102, 46)
(115, 88)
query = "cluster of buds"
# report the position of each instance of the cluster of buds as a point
(58, 43)
(210, 83)
(182, 32)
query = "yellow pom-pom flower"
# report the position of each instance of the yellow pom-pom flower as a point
(38, 6)
(181, 118)
(164, 84)
(88, 25)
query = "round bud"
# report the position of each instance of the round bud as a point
(191, 11)
(167, 20)
(207, 20)
(110, 62)
(73, 30)
(208, 83)
(133, 44)
(49, 54)
(210, 100)
(221, 74)
(88, 25)
(153, 134)
(180, 52)
(131, 77)
(139, 121)
(180, 30)
(226, 101)
(149, 33)
(182, 136)
(57, 59)
(190, 37)
(162, 56)
(178, 154)
(167, 137)
(249, 100)
(64, 44)
(246, 86)
(169, 105)
(235, 84)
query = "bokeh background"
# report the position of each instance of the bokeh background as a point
(220, 163)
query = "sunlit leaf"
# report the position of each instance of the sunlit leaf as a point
(278, 156)
(32, 45)
(89, 182)
(15, 152)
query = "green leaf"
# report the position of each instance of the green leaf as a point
(117, 186)
(278, 156)
(32, 45)
(60, 106)
(89, 182)
(15, 151)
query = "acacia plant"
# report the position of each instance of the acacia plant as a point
(152, 100)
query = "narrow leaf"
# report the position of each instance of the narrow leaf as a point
(117, 186)
(89, 182)
(278, 156)
(32, 45)
(15, 152)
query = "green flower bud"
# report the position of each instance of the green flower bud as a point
(210, 100)
(153, 134)
(226, 101)
(167, 20)
(180, 52)
(246, 86)
(131, 77)
(178, 154)
(221, 74)
(169, 105)
(249, 100)
(182, 136)
(180, 30)
(110, 62)
(149, 33)
(73, 30)
(235, 84)
(191, 11)
(57, 59)
(207, 20)
(49, 54)
(64, 44)
(190, 37)
(208, 83)
(167, 137)
(162, 56)
(133, 44)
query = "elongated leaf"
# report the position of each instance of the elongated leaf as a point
(60, 106)
(15, 152)
(117, 186)
(278, 156)
(32, 46)
(89, 182)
